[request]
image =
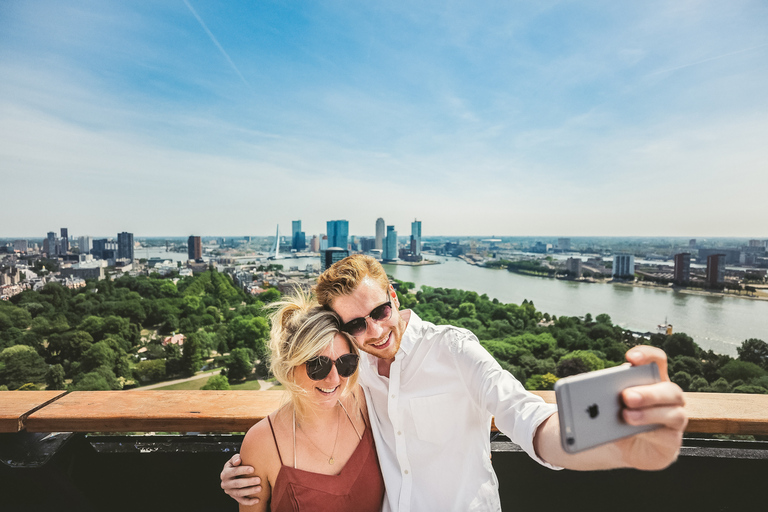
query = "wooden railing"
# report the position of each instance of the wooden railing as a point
(236, 411)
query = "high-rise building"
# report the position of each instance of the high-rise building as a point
(324, 243)
(574, 266)
(50, 246)
(564, 244)
(21, 245)
(194, 248)
(623, 265)
(367, 244)
(125, 246)
(682, 267)
(85, 244)
(715, 269)
(416, 237)
(314, 244)
(380, 233)
(64, 243)
(692, 242)
(298, 237)
(390, 245)
(338, 233)
(333, 255)
(105, 249)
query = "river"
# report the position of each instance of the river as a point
(714, 322)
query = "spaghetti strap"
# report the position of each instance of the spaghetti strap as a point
(275, 439)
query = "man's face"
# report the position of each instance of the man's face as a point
(381, 338)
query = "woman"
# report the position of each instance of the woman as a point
(316, 452)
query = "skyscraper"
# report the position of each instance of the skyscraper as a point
(194, 248)
(64, 243)
(125, 246)
(416, 237)
(390, 245)
(338, 233)
(85, 244)
(49, 246)
(682, 267)
(298, 238)
(380, 233)
(715, 269)
(623, 265)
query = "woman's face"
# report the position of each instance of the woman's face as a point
(325, 392)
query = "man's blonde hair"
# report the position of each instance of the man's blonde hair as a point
(344, 276)
(302, 329)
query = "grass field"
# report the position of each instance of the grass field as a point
(192, 385)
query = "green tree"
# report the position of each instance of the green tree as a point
(217, 382)
(741, 370)
(54, 377)
(680, 344)
(191, 355)
(149, 371)
(541, 382)
(754, 351)
(587, 358)
(239, 364)
(21, 364)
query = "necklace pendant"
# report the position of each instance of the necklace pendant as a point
(331, 461)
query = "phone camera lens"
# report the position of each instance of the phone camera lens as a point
(571, 440)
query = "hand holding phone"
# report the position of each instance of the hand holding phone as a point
(590, 405)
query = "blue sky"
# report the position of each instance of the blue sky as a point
(506, 118)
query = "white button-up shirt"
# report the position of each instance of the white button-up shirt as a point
(431, 419)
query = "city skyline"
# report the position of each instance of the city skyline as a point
(548, 119)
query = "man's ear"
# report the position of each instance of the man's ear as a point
(393, 294)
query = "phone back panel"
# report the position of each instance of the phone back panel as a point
(590, 406)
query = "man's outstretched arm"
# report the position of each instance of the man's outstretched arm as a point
(660, 403)
(236, 482)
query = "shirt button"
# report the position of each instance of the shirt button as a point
(399, 433)
(406, 471)
(393, 396)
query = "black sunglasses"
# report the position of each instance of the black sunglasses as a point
(319, 367)
(358, 326)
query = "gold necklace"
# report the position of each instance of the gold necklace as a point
(331, 460)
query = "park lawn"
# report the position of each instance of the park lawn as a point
(190, 385)
(249, 385)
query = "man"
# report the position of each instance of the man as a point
(430, 387)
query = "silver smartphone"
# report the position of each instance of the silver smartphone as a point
(589, 405)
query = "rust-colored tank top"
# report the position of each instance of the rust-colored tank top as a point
(358, 488)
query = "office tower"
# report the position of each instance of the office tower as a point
(564, 244)
(50, 241)
(380, 234)
(682, 267)
(367, 244)
(715, 269)
(314, 244)
(692, 242)
(333, 255)
(64, 243)
(194, 248)
(21, 245)
(125, 246)
(338, 233)
(324, 243)
(574, 266)
(298, 237)
(623, 265)
(105, 249)
(416, 237)
(85, 244)
(390, 244)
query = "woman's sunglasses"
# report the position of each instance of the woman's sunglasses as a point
(319, 367)
(358, 326)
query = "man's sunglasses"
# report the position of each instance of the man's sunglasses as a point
(358, 326)
(319, 367)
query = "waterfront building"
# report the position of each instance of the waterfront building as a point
(338, 233)
(380, 233)
(194, 248)
(716, 269)
(623, 265)
(682, 267)
(731, 255)
(541, 248)
(324, 243)
(125, 246)
(298, 237)
(416, 237)
(390, 245)
(564, 244)
(314, 244)
(105, 249)
(574, 266)
(64, 243)
(367, 244)
(332, 255)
